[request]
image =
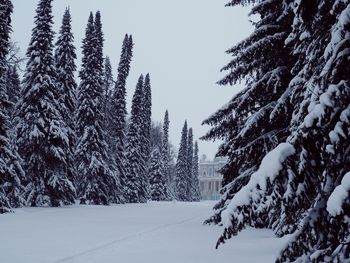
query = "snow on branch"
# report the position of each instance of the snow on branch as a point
(339, 195)
(337, 39)
(252, 192)
(318, 110)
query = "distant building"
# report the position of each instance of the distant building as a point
(210, 179)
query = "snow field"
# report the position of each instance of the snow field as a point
(157, 232)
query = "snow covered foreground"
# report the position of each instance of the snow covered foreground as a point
(163, 232)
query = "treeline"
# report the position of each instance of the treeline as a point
(63, 141)
(287, 133)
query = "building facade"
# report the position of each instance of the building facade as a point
(210, 179)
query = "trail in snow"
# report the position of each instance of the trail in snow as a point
(120, 240)
(163, 232)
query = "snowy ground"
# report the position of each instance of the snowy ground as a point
(163, 232)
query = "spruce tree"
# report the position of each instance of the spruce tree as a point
(299, 183)
(99, 44)
(195, 192)
(320, 135)
(108, 86)
(156, 177)
(236, 123)
(117, 115)
(67, 87)
(98, 184)
(181, 170)
(145, 134)
(165, 154)
(65, 57)
(11, 173)
(42, 135)
(147, 116)
(100, 60)
(134, 181)
(189, 163)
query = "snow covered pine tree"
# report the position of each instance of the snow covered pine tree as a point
(321, 135)
(66, 85)
(43, 140)
(133, 183)
(156, 177)
(138, 143)
(158, 180)
(108, 86)
(165, 155)
(98, 183)
(196, 195)
(145, 133)
(186, 170)
(236, 124)
(116, 117)
(11, 173)
(286, 134)
(181, 172)
(99, 46)
(189, 163)
(192, 155)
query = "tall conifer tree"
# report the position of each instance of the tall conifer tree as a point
(108, 87)
(99, 44)
(195, 192)
(156, 177)
(189, 163)
(117, 115)
(286, 134)
(319, 187)
(67, 87)
(11, 173)
(181, 172)
(65, 57)
(98, 184)
(145, 134)
(237, 122)
(134, 181)
(42, 135)
(165, 155)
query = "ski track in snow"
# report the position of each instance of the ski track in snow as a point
(125, 238)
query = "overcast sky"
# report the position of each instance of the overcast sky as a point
(180, 43)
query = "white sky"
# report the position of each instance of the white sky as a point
(180, 43)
